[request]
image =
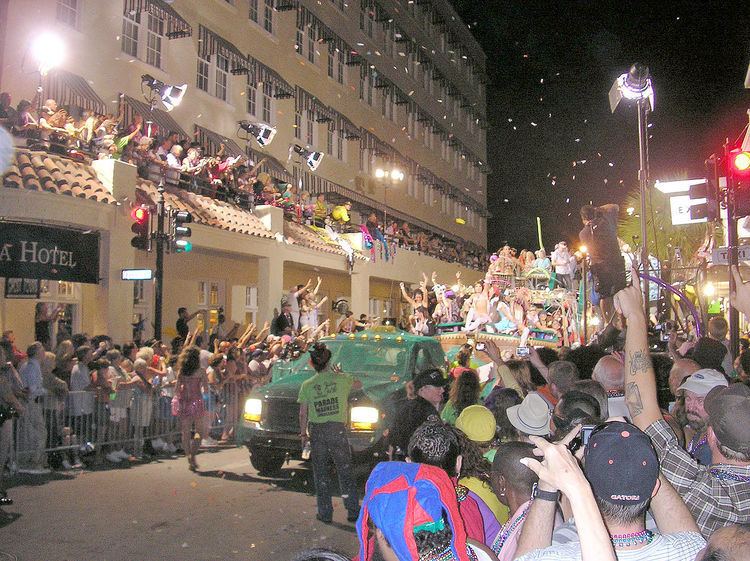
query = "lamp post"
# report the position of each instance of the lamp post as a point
(636, 86)
(48, 51)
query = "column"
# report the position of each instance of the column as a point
(270, 286)
(360, 290)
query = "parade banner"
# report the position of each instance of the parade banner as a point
(42, 252)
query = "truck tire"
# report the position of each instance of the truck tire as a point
(267, 462)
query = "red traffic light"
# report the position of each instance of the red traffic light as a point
(740, 161)
(140, 214)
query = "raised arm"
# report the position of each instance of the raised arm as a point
(670, 511)
(406, 296)
(640, 381)
(322, 301)
(317, 286)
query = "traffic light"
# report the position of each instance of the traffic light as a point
(739, 170)
(710, 209)
(141, 227)
(179, 232)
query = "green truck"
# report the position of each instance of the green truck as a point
(383, 359)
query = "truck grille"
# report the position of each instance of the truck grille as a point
(281, 415)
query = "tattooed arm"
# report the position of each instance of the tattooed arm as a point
(640, 381)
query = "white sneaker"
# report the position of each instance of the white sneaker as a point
(209, 442)
(34, 471)
(113, 457)
(66, 464)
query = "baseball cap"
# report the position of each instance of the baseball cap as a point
(477, 423)
(703, 381)
(401, 498)
(432, 377)
(531, 416)
(728, 411)
(621, 464)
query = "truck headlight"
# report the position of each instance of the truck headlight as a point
(363, 418)
(253, 408)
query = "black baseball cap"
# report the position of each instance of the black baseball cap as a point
(621, 464)
(432, 377)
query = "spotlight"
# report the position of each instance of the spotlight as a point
(263, 133)
(397, 175)
(380, 173)
(48, 50)
(171, 96)
(312, 159)
(634, 86)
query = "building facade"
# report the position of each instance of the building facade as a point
(372, 84)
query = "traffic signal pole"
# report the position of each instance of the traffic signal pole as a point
(159, 276)
(732, 244)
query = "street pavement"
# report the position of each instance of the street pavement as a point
(162, 511)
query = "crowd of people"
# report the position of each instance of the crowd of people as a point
(165, 156)
(586, 453)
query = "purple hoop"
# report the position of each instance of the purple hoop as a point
(673, 290)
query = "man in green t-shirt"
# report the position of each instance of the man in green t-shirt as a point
(324, 411)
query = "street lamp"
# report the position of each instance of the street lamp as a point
(636, 86)
(48, 51)
(388, 177)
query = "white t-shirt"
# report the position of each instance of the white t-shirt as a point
(681, 546)
(561, 257)
(204, 357)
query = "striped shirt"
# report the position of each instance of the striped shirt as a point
(716, 496)
(681, 546)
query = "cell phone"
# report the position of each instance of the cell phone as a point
(480, 346)
(522, 352)
(582, 439)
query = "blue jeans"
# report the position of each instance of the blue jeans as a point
(328, 442)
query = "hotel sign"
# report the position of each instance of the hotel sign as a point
(42, 252)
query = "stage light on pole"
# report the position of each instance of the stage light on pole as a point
(171, 96)
(636, 86)
(48, 50)
(263, 133)
(311, 158)
(379, 173)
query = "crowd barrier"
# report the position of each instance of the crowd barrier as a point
(87, 423)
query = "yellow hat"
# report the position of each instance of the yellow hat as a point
(477, 423)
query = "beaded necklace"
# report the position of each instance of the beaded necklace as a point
(447, 555)
(634, 538)
(507, 530)
(693, 446)
(723, 475)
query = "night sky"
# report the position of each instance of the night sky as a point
(551, 65)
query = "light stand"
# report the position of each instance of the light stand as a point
(636, 86)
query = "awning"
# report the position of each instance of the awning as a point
(210, 43)
(176, 24)
(159, 119)
(351, 131)
(70, 89)
(212, 141)
(264, 74)
(319, 110)
(271, 166)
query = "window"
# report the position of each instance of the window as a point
(201, 81)
(340, 145)
(299, 44)
(427, 195)
(251, 302)
(268, 16)
(251, 93)
(253, 15)
(329, 140)
(222, 70)
(267, 94)
(410, 186)
(331, 61)
(210, 294)
(298, 125)
(340, 74)
(129, 38)
(138, 292)
(310, 45)
(153, 40)
(310, 137)
(67, 12)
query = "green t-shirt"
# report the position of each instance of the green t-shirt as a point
(327, 395)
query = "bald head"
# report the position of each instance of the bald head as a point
(681, 369)
(730, 543)
(610, 373)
